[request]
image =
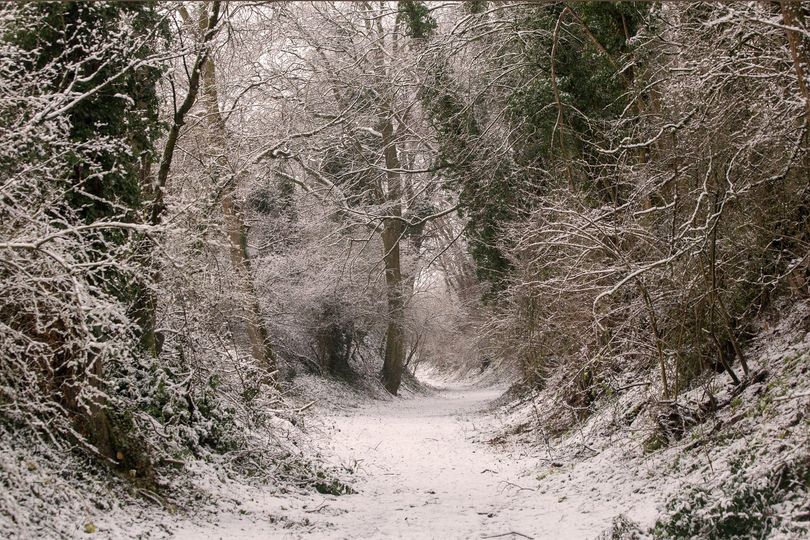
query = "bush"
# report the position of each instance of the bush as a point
(745, 507)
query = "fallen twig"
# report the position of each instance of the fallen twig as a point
(305, 407)
(799, 395)
(507, 534)
(632, 385)
(154, 497)
(517, 486)
(315, 509)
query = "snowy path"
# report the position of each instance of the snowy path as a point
(423, 472)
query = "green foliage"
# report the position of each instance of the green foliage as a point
(493, 192)
(94, 46)
(199, 417)
(331, 486)
(654, 442)
(590, 87)
(487, 195)
(622, 528)
(217, 418)
(475, 6)
(488, 203)
(101, 51)
(89, 70)
(417, 16)
(311, 474)
(745, 508)
(132, 453)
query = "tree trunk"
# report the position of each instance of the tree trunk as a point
(391, 236)
(145, 306)
(792, 16)
(234, 223)
(394, 335)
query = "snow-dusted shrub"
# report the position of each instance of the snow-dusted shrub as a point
(68, 237)
(320, 288)
(748, 505)
(205, 393)
(622, 528)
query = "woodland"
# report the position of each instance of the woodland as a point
(225, 224)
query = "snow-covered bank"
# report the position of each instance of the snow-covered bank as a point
(722, 460)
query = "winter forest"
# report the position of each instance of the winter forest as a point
(404, 269)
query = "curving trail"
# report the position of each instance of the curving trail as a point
(423, 470)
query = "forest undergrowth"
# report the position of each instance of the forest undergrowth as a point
(720, 460)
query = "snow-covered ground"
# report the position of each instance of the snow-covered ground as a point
(444, 462)
(422, 468)
(447, 464)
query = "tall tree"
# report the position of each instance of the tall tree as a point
(375, 156)
(236, 229)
